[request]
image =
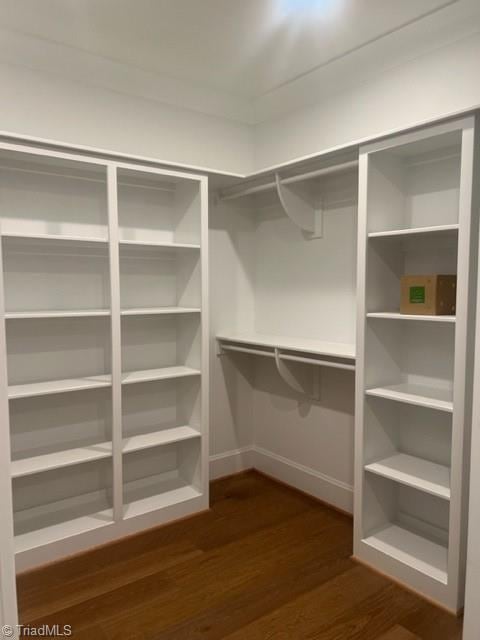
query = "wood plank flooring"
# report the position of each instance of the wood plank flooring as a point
(266, 563)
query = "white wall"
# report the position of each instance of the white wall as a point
(432, 86)
(267, 276)
(49, 105)
(43, 105)
(307, 444)
(231, 306)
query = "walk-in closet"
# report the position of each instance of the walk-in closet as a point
(240, 319)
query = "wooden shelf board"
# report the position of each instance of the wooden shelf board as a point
(411, 549)
(60, 459)
(158, 438)
(159, 245)
(60, 531)
(165, 373)
(395, 315)
(66, 313)
(167, 489)
(55, 237)
(445, 228)
(414, 472)
(422, 396)
(159, 311)
(58, 386)
(317, 347)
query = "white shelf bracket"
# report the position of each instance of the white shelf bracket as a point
(219, 352)
(305, 215)
(294, 382)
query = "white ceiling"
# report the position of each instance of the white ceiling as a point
(248, 48)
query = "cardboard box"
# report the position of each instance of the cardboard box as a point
(433, 295)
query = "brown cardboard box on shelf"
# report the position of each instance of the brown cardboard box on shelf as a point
(433, 295)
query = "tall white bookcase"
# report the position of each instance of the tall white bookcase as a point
(413, 403)
(105, 315)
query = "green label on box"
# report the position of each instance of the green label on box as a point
(417, 295)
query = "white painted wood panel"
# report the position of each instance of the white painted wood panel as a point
(414, 472)
(425, 556)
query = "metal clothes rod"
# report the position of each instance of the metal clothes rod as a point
(292, 179)
(257, 352)
(268, 354)
(319, 363)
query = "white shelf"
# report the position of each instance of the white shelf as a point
(158, 438)
(430, 397)
(414, 472)
(87, 313)
(58, 386)
(159, 245)
(395, 315)
(445, 229)
(165, 373)
(62, 530)
(153, 311)
(54, 237)
(305, 345)
(411, 549)
(60, 459)
(169, 490)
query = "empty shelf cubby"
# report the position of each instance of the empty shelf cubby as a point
(161, 477)
(54, 505)
(415, 185)
(156, 209)
(407, 525)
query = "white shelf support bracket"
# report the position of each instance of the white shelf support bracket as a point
(294, 382)
(317, 383)
(219, 349)
(305, 215)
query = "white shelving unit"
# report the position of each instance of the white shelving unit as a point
(412, 394)
(104, 309)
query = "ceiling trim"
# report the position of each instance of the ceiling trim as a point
(229, 176)
(76, 65)
(352, 50)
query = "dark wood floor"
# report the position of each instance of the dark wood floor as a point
(266, 563)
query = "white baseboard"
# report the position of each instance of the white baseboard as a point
(325, 488)
(230, 462)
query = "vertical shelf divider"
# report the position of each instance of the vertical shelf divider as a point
(8, 589)
(205, 337)
(114, 258)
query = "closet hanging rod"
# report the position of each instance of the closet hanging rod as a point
(318, 363)
(257, 352)
(338, 168)
(291, 358)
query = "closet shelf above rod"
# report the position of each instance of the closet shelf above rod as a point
(269, 342)
(286, 351)
(234, 192)
(304, 210)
